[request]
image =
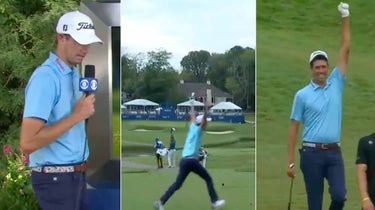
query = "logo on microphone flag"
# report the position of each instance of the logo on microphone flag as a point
(88, 84)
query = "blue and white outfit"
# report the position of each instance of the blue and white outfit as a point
(160, 151)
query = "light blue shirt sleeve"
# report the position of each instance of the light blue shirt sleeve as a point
(337, 77)
(40, 95)
(297, 109)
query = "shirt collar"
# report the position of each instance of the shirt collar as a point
(316, 86)
(60, 64)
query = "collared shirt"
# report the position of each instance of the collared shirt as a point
(193, 141)
(320, 108)
(51, 95)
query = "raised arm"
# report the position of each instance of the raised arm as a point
(342, 60)
(192, 111)
(204, 120)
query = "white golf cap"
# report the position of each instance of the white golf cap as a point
(316, 53)
(79, 26)
(199, 119)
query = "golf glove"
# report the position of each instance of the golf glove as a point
(343, 9)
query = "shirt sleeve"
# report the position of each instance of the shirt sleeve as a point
(361, 152)
(337, 77)
(297, 109)
(40, 95)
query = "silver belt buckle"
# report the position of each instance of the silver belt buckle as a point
(324, 146)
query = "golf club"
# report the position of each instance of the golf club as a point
(290, 193)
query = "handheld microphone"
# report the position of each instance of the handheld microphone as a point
(88, 84)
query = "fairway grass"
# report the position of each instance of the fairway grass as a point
(232, 166)
(138, 136)
(231, 160)
(140, 190)
(287, 32)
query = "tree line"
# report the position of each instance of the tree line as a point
(150, 75)
(27, 34)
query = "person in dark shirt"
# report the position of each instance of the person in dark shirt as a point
(366, 171)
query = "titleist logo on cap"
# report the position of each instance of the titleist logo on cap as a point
(85, 25)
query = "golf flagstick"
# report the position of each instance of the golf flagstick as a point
(290, 193)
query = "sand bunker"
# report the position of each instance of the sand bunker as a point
(219, 132)
(143, 130)
(209, 132)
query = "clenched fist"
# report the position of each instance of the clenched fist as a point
(84, 107)
(343, 9)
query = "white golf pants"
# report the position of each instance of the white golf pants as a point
(172, 157)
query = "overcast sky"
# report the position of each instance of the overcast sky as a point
(181, 26)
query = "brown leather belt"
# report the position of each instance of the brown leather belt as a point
(62, 168)
(321, 145)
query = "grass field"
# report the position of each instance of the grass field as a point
(287, 32)
(144, 140)
(230, 161)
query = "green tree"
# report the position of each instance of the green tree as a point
(131, 66)
(197, 62)
(242, 69)
(218, 70)
(186, 75)
(27, 34)
(157, 80)
(233, 87)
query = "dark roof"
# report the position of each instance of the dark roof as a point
(200, 89)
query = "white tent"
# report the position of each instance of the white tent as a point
(225, 108)
(184, 107)
(141, 102)
(188, 103)
(123, 108)
(140, 106)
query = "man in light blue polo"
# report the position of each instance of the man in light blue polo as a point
(53, 126)
(319, 107)
(189, 163)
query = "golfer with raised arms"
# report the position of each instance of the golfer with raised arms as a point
(319, 107)
(189, 162)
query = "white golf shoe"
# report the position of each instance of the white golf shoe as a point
(218, 204)
(158, 205)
